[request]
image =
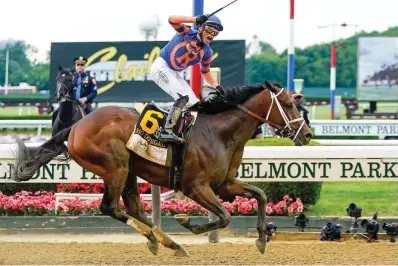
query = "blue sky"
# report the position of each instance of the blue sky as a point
(41, 22)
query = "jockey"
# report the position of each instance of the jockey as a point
(188, 47)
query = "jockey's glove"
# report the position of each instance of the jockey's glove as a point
(221, 90)
(201, 19)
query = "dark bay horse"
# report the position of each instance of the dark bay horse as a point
(69, 111)
(213, 155)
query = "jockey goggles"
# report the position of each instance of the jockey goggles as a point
(211, 30)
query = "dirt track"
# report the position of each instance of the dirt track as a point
(309, 252)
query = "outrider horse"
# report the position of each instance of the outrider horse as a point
(212, 157)
(68, 112)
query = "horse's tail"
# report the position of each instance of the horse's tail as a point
(25, 166)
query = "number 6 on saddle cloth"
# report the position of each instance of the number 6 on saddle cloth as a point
(144, 141)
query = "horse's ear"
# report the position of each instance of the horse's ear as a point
(269, 86)
(60, 68)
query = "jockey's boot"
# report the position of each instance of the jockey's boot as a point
(167, 135)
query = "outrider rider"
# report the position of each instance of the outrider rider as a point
(86, 86)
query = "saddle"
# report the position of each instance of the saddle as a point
(144, 141)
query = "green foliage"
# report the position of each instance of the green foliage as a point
(308, 192)
(25, 117)
(311, 63)
(277, 142)
(372, 196)
(12, 188)
(40, 76)
(267, 48)
(21, 69)
(24, 98)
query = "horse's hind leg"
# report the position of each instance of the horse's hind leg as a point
(134, 208)
(205, 197)
(131, 198)
(239, 188)
(116, 170)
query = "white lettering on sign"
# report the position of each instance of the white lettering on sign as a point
(355, 130)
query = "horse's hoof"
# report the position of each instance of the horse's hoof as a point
(181, 252)
(181, 218)
(260, 244)
(153, 247)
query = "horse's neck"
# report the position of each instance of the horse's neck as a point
(65, 111)
(237, 126)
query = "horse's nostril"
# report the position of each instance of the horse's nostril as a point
(309, 135)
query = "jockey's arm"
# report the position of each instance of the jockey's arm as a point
(205, 70)
(209, 78)
(177, 22)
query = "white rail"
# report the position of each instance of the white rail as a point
(387, 127)
(357, 142)
(28, 124)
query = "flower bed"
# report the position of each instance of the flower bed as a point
(98, 188)
(43, 203)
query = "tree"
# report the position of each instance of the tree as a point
(267, 48)
(39, 76)
(311, 63)
(21, 69)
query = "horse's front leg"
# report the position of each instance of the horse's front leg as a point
(205, 197)
(236, 187)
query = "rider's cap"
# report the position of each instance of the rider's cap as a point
(297, 94)
(80, 60)
(214, 21)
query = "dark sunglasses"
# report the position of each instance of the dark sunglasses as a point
(80, 64)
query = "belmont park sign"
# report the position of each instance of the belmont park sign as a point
(250, 170)
(282, 170)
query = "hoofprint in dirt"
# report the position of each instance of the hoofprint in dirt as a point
(131, 249)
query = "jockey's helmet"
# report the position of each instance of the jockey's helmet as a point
(215, 22)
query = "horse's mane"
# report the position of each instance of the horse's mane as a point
(233, 96)
(239, 95)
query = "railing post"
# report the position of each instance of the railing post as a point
(156, 205)
(39, 128)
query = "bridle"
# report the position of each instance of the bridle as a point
(287, 130)
(67, 96)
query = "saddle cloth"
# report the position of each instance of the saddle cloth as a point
(144, 140)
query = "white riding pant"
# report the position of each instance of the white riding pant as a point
(171, 81)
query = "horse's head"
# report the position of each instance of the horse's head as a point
(282, 114)
(65, 86)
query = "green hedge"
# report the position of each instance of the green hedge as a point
(25, 98)
(25, 117)
(308, 192)
(11, 189)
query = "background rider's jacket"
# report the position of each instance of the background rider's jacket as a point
(88, 86)
(304, 112)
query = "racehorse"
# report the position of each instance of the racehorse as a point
(68, 112)
(212, 157)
